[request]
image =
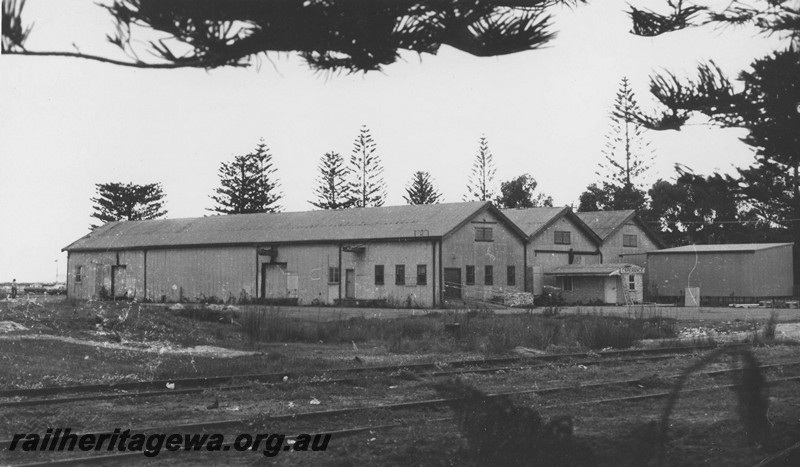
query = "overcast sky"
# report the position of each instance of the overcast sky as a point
(68, 124)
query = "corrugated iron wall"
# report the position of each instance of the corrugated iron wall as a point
(614, 252)
(717, 274)
(224, 273)
(773, 272)
(309, 263)
(96, 273)
(505, 249)
(390, 254)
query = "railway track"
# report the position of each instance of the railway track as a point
(184, 386)
(314, 381)
(270, 420)
(217, 426)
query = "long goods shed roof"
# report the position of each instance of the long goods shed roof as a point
(722, 248)
(391, 222)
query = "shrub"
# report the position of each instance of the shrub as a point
(597, 332)
(770, 327)
(104, 294)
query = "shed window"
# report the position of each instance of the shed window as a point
(333, 275)
(483, 234)
(631, 282)
(566, 283)
(488, 275)
(400, 274)
(630, 240)
(422, 274)
(511, 275)
(470, 275)
(562, 237)
(78, 273)
(378, 274)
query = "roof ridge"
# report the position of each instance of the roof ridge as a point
(384, 222)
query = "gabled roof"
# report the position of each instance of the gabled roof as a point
(724, 248)
(604, 269)
(534, 221)
(606, 223)
(390, 222)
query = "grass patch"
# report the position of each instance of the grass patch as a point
(271, 325)
(480, 331)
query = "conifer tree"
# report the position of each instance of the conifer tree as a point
(481, 178)
(333, 191)
(421, 190)
(365, 178)
(248, 184)
(128, 202)
(334, 35)
(627, 156)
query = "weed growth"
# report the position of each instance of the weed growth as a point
(477, 330)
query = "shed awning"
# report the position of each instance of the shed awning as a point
(608, 269)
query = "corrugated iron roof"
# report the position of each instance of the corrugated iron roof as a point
(604, 269)
(389, 222)
(723, 248)
(532, 220)
(604, 223)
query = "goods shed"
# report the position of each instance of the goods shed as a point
(732, 273)
(556, 237)
(395, 255)
(624, 237)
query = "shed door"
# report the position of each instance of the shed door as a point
(273, 280)
(452, 283)
(611, 290)
(118, 287)
(350, 283)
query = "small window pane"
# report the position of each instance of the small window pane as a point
(400, 274)
(333, 275)
(511, 273)
(378, 274)
(470, 275)
(483, 234)
(630, 240)
(422, 274)
(562, 237)
(488, 275)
